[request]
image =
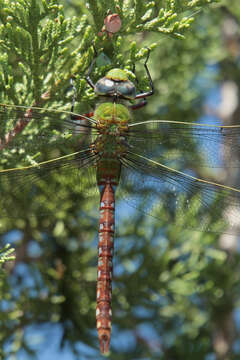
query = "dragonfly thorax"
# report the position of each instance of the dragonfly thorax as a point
(116, 84)
(112, 117)
(112, 123)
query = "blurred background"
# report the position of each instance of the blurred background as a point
(175, 292)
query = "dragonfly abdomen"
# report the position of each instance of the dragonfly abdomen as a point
(105, 267)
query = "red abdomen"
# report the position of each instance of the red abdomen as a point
(105, 267)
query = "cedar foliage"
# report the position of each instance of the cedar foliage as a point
(172, 285)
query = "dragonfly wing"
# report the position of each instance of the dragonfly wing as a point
(53, 180)
(33, 128)
(185, 144)
(159, 190)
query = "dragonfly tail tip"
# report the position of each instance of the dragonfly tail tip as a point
(104, 343)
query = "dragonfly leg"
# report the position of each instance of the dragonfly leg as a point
(77, 117)
(138, 105)
(74, 94)
(89, 80)
(73, 117)
(144, 101)
(147, 93)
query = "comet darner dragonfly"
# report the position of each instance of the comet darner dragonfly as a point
(131, 156)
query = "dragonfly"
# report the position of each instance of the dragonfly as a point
(128, 158)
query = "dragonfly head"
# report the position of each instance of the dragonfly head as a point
(116, 84)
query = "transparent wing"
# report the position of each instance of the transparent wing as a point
(37, 187)
(48, 151)
(158, 190)
(181, 144)
(34, 128)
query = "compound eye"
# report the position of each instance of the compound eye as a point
(104, 86)
(126, 89)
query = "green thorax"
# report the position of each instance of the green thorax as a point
(111, 115)
(112, 122)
